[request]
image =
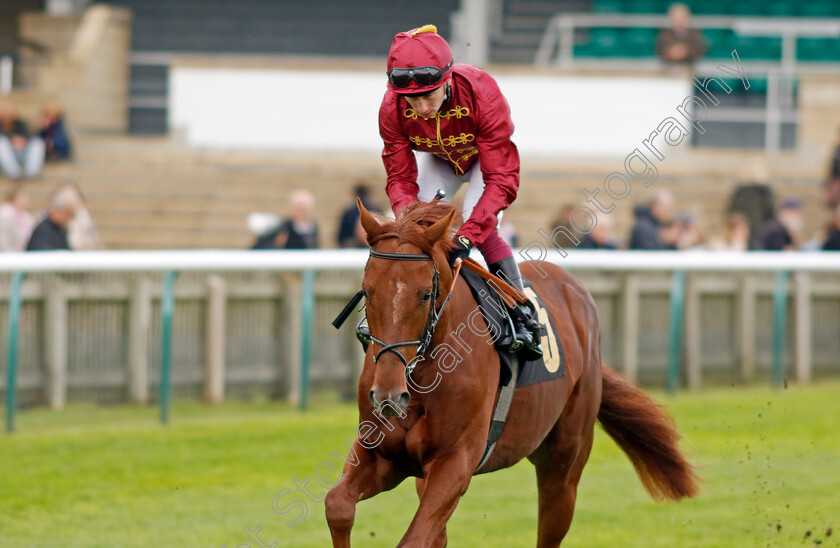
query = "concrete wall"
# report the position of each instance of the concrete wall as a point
(86, 68)
(335, 110)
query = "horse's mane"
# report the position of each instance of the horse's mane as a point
(411, 226)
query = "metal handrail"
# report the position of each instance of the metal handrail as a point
(559, 35)
(559, 32)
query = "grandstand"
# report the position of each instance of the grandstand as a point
(140, 187)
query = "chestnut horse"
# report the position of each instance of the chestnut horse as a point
(432, 422)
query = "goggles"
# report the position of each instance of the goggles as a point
(422, 76)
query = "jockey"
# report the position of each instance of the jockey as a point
(444, 125)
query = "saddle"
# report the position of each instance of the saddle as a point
(498, 320)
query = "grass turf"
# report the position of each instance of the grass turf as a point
(112, 477)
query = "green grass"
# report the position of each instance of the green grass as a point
(112, 477)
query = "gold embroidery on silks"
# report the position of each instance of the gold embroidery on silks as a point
(472, 152)
(457, 112)
(462, 139)
(450, 141)
(423, 141)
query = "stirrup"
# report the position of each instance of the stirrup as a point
(528, 332)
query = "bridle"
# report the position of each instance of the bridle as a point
(431, 320)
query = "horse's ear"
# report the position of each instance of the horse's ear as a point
(440, 228)
(369, 222)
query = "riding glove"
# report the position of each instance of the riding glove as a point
(461, 250)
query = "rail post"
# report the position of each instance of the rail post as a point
(307, 307)
(677, 292)
(167, 309)
(779, 326)
(11, 362)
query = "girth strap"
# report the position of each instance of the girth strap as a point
(500, 413)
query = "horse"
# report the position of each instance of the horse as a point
(430, 419)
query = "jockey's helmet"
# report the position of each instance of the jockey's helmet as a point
(418, 61)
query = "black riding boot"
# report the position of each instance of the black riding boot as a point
(527, 329)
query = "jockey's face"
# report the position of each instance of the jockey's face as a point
(428, 105)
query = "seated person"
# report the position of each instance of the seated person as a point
(781, 233)
(299, 231)
(56, 141)
(679, 44)
(735, 235)
(349, 233)
(647, 228)
(832, 242)
(20, 155)
(52, 232)
(16, 222)
(602, 236)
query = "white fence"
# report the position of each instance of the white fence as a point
(90, 326)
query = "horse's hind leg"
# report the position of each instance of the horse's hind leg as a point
(441, 540)
(559, 462)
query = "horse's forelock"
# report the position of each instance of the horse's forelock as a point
(411, 226)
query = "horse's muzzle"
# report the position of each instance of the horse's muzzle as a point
(392, 405)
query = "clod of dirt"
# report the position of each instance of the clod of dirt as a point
(778, 527)
(807, 534)
(828, 532)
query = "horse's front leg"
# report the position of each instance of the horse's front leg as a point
(361, 480)
(446, 481)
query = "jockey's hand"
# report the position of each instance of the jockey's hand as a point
(460, 251)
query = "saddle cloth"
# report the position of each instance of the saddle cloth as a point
(550, 366)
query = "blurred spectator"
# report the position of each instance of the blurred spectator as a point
(832, 192)
(508, 233)
(832, 179)
(51, 232)
(669, 235)
(735, 235)
(81, 232)
(16, 222)
(679, 44)
(299, 231)
(754, 198)
(350, 233)
(832, 242)
(649, 219)
(56, 141)
(20, 154)
(564, 219)
(602, 236)
(782, 233)
(834, 166)
(691, 235)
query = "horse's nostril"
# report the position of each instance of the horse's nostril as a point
(405, 397)
(372, 397)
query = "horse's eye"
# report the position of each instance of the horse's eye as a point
(426, 296)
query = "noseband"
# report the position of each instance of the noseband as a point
(431, 320)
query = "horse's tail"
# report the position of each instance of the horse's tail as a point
(648, 436)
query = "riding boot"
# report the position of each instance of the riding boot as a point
(527, 329)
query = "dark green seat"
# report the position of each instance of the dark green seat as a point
(817, 49)
(638, 42)
(642, 6)
(720, 43)
(608, 6)
(759, 47)
(603, 42)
